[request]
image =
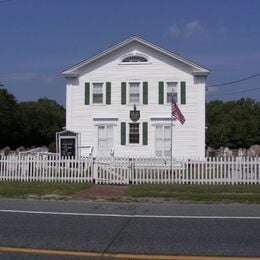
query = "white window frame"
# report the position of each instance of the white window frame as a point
(163, 140)
(128, 134)
(103, 93)
(166, 91)
(135, 63)
(106, 137)
(139, 92)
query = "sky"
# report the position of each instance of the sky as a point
(41, 38)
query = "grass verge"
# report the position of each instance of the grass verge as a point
(24, 189)
(203, 193)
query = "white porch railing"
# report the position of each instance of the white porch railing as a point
(125, 170)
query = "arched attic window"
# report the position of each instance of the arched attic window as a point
(135, 58)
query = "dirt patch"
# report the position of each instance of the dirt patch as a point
(103, 191)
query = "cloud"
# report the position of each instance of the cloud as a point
(193, 28)
(188, 30)
(174, 30)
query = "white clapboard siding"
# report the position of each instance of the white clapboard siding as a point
(188, 139)
(135, 170)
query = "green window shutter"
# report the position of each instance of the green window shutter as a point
(161, 92)
(87, 88)
(123, 133)
(183, 92)
(145, 133)
(123, 93)
(145, 93)
(108, 93)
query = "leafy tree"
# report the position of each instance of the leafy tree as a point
(234, 123)
(9, 119)
(41, 120)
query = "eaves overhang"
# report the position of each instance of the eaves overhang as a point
(197, 70)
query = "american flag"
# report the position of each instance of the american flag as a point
(176, 112)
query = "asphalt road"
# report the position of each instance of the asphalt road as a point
(166, 228)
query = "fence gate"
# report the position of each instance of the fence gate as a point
(111, 170)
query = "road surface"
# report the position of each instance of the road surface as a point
(102, 228)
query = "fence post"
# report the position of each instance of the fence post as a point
(94, 170)
(130, 170)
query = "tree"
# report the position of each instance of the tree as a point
(9, 119)
(41, 120)
(234, 123)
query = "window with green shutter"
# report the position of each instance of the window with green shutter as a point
(145, 93)
(123, 133)
(161, 92)
(183, 92)
(87, 88)
(123, 93)
(145, 133)
(108, 93)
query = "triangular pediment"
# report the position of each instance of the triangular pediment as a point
(195, 68)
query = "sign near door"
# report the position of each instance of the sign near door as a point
(68, 147)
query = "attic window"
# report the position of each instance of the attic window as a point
(134, 58)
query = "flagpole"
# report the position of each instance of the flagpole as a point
(171, 129)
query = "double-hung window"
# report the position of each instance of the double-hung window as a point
(134, 134)
(134, 93)
(98, 93)
(172, 90)
(163, 141)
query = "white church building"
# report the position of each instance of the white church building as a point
(119, 102)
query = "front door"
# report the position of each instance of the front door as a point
(105, 140)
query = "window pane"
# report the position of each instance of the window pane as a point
(98, 93)
(98, 98)
(109, 144)
(167, 153)
(101, 132)
(134, 92)
(134, 58)
(134, 133)
(109, 132)
(171, 90)
(158, 145)
(158, 132)
(158, 153)
(102, 144)
(167, 132)
(167, 145)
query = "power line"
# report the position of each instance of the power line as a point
(234, 82)
(235, 92)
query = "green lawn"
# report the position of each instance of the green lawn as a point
(179, 192)
(206, 193)
(23, 189)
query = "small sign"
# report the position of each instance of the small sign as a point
(68, 147)
(134, 114)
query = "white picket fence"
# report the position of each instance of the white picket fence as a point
(125, 170)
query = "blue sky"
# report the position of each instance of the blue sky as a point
(41, 38)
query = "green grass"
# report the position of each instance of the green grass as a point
(23, 189)
(206, 193)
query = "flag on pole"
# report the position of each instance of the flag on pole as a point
(176, 112)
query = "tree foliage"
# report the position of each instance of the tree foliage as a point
(234, 123)
(29, 123)
(9, 119)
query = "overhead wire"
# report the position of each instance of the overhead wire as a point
(233, 82)
(235, 92)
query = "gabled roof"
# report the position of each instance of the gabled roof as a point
(73, 71)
